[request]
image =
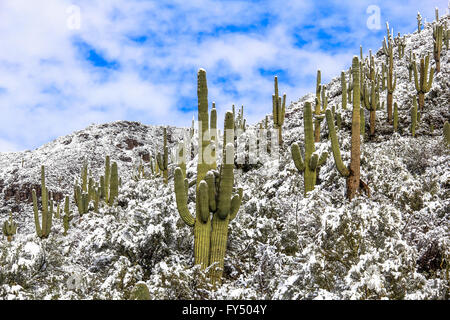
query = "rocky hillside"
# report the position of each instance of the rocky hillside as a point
(393, 245)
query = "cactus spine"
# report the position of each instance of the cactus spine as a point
(312, 162)
(9, 228)
(44, 230)
(423, 85)
(213, 193)
(279, 109)
(352, 173)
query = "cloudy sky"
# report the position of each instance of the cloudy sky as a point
(67, 64)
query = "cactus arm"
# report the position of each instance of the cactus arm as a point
(297, 157)
(210, 180)
(181, 198)
(343, 170)
(236, 203)
(313, 162)
(203, 201)
(323, 158)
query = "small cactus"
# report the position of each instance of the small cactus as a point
(163, 160)
(9, 228)
(344, 90)
(447, 133)
(140, 292)
(419, 22)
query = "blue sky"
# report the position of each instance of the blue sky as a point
(137, 60)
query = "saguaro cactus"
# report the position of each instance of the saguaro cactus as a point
(371, 102)
(163, 160)
(9, 228)
(395, 117)
(214, 193)
(352, 173)
(44, 230)
(344, 90)
(320, 106)
(391, 78)
(279, 110)
(447, 133)
(67, 215)
(423, 85)
(419, 22)
(438, 39)
(312, 161)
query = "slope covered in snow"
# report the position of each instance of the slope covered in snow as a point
(392, 245)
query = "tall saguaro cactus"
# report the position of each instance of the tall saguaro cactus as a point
(320, 106)
(43, 230)
(438, 39)
(391, 78)
(423, 85)
(214, 194)
(352, 173)
(312, 161)
(279, 110)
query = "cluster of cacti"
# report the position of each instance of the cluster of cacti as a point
(400, 42)
(352, 173)
(43, 231)
(438, 40)
(214, 193)
(312, 161)
(9, 228)
(423, 84)
(279, 110)
(106, 190)
(86, 192)
(320, 106)
(163, 160)
(239, 122)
